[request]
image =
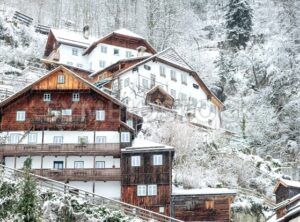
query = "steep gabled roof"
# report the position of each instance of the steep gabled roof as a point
(120, 33)
(286, 183)
(61, 68)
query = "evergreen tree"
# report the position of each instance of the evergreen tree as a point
(238, 23)
(28, 206)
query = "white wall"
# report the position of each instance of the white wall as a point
(111, 189)
(69, 137)
(67, 56)
(136, 85)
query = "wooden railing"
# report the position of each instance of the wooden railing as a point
(91, 198)
(46, 119)
(61, 149)
(85, 174)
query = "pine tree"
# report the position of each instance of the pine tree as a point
(28, 206)
(238, 23)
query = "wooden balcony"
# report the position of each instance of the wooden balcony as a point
(104, 149)
(88, 174)
(50, 121)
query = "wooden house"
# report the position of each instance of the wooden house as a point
(209, 204)
(147, 175)
(72, 130)
(288, 200)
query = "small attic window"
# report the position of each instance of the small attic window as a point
(195, 86)
(60, 79)
(116, 52)
(147, 67)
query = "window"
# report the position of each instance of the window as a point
(58, 164)
(195, 86)
(100, 115)
(58, 139)
(103, 49)
(75, 97)
(125, 137)
(193, 102)
(74, 51)
(101, 139)
(70, 63)
(173, 75)
(213, 109)
(79, 65)
(66, 112)
(182, 96)
(115, 86)
(209, 204)
(60, 79)
(157, 160)
(21, 116)
(126, 82)
(14, 138)
(147, 67)
(161, 210)
(145, 83)
(162, 71)
(128, 54)
(32, 138)
(78, 164)
(83, 139)
(184, 78)
(130, 122)
(173, 93)
(101, 63)
(135, 161)
(91, 66)
(141, 190)
(152, 190)
(47, 97)
(100, 164)
(203, 104)
(116, 52)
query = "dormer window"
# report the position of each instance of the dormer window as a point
(60, 79)
(74, 51)
(47, 97)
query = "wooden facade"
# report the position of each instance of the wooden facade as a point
(146, 174)
(202, 207)
(160, 97)
(284, 190)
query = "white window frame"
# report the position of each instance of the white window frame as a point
(128, 54)
(100, 115)
(20, 116)
(162, 71)
(78, 164)
(47, 97)
(74, 51)
(145, 83)
(173, 93)
(69, 63)
(126, 82)
(125, 137)
(116, 54)
(14, 138)
(32, 138)
(58, 139)
(79, 65)
(141, 190)
(75, 97)
(101, 139)
(66, 112)
(102, 63)
(184, 78)
(55, 161)
(60, 79)
(173, 75)
(157, 159)
(152, 190)
(135, 161)
(103, 49)
(100, 164)
(83, 139)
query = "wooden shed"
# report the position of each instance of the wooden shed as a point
(209, 204)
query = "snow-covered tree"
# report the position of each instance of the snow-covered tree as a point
(238, 23)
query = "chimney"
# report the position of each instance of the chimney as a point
(141, 50)
(86, 32)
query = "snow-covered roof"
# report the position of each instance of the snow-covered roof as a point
(287, 202)
(74, 38)
(146, 145)
(127, 32)
(291, 212)
(287, 183)
(203, 191)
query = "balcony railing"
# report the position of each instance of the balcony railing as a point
(61, 149)
(88, 174)
(58, 120)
